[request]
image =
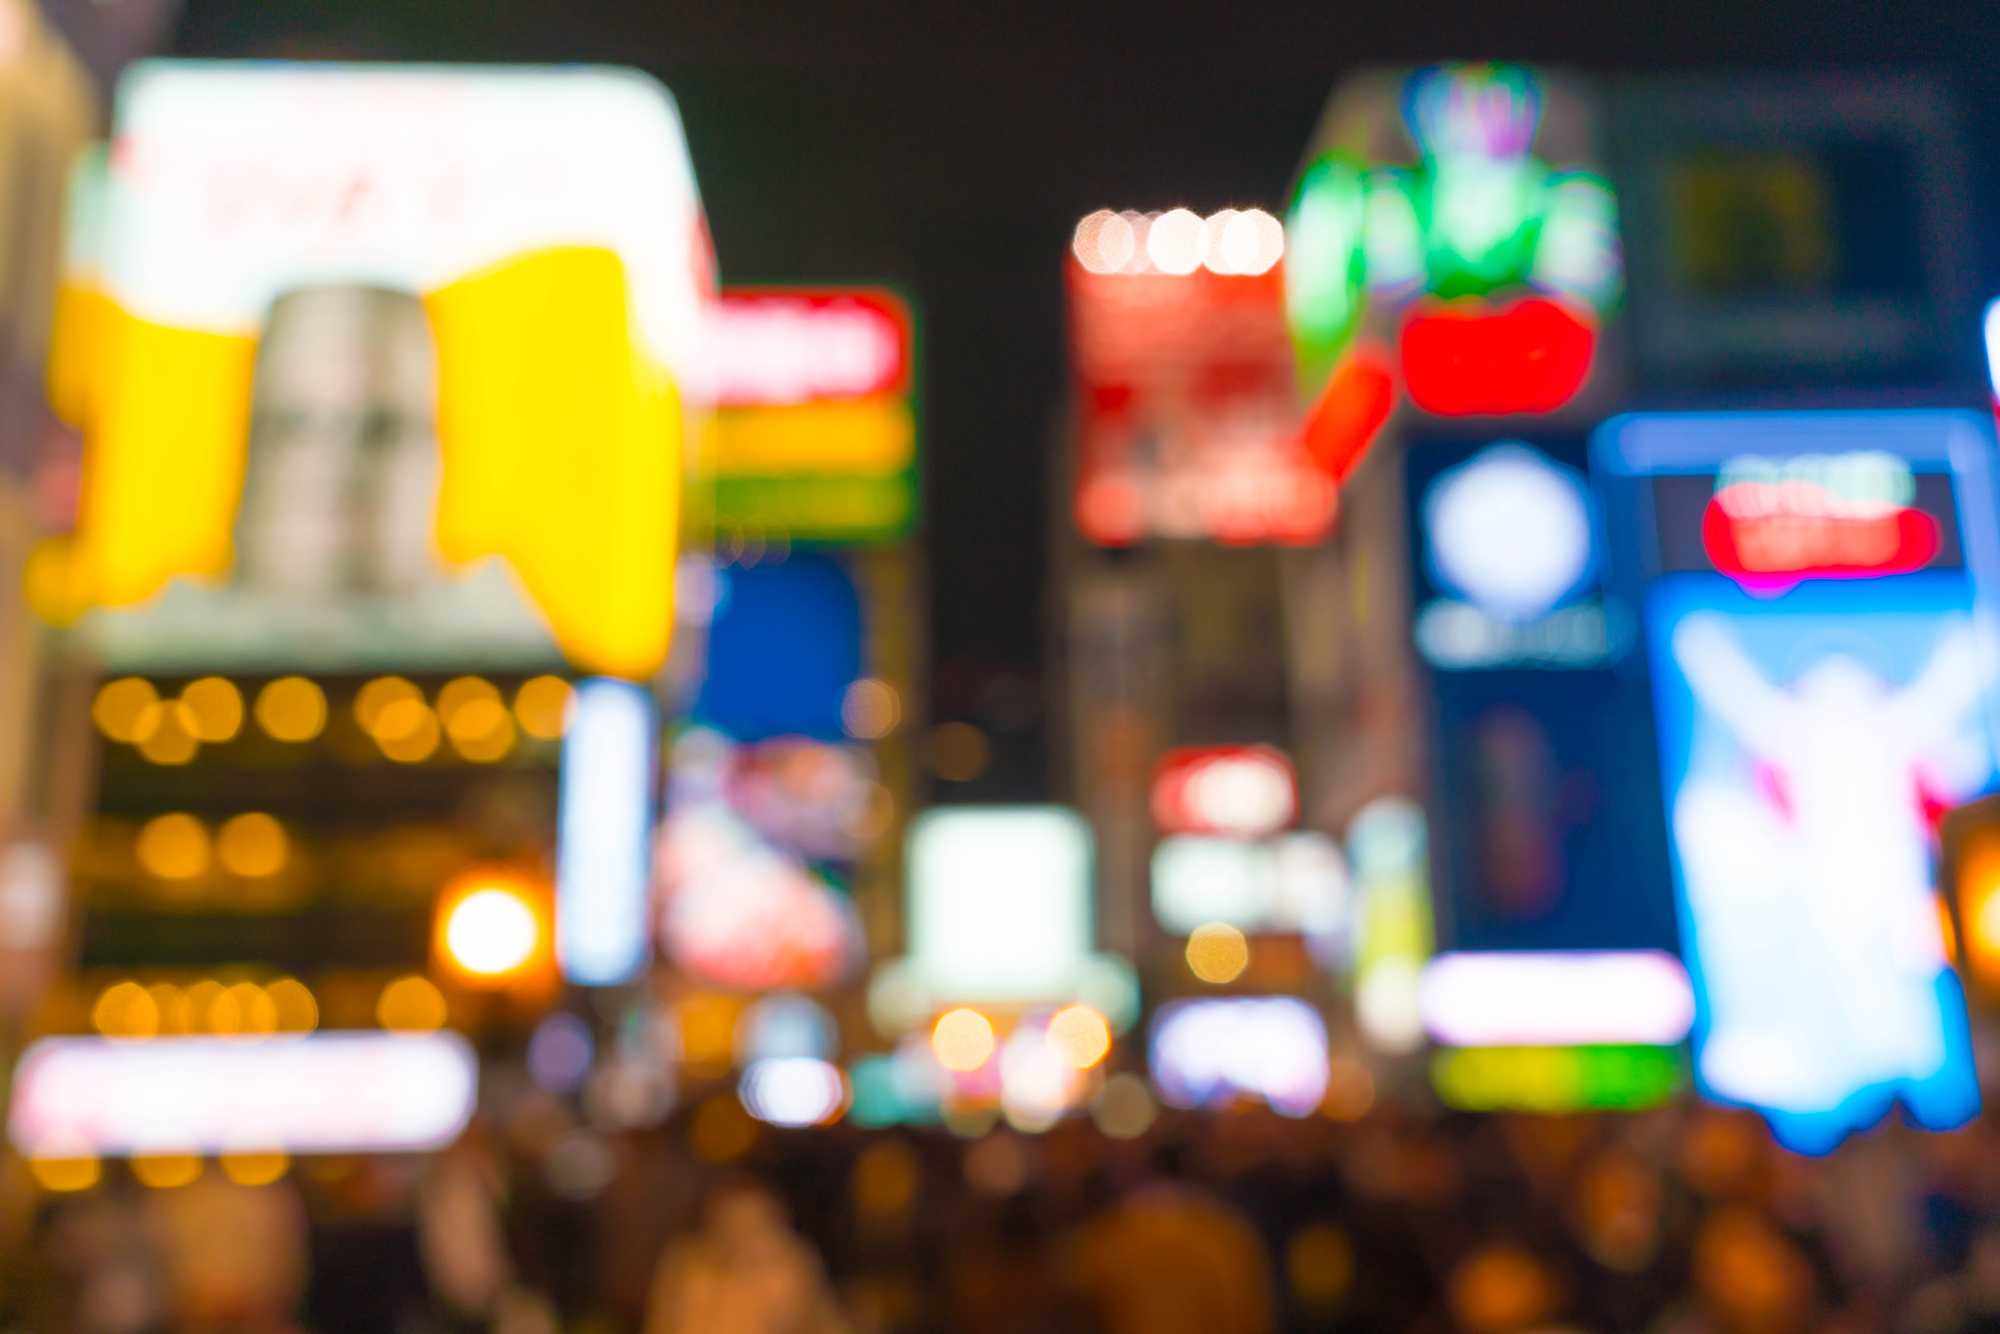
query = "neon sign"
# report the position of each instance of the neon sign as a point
(548, 222)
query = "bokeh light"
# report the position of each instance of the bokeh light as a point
(66, 1173)
(411, 1004)
(254, 1167)
(125, 1010)
(293, 1002)
(166, 732)
(870, 710)
(1217, 953)
(119, 706)
(540, 705)
(252, 845)
(475, 719)
(215, 706)
(173, 847)
(958, 752)
(1124, 1108)
(1177, 242)
(164, 1171)
(392, 710)
(291, 708)
(963, 1040)
(491, 932)
(1079, 1036)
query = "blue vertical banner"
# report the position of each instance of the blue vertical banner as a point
(605, 832)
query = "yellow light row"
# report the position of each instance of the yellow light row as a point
(134, 1013)
(469, 712)
(178, 846)
(162, 1171)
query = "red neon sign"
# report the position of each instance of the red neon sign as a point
(1465, 359)
(1777, 533)
(1240, 790)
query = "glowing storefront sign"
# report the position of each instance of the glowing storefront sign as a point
(1522, 998)
(337, 1092)
(548, 221)
(815, 432)
(1809, 733)
(1240, 790)
(1188, 413)
(1208, 1052)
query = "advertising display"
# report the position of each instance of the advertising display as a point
(814, 436)
(1794, 230)
(1188, 421)
(1815, 593)
(1458, 213)
(530, 241)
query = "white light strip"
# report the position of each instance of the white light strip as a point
(332, 1092)
(605, 833)
(1556, 999)
(1993, 346)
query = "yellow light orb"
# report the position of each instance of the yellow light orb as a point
(1079, 1036)
(1218, 953)
(66, 1174)
(411, 1004)
(963, 1040)
(215, 707)
(252, 845)
(293, 1004)
(540, 705)
(167, 732)
(207, 1007)
(173, 847)
(119, 704)
(163, 1171)
(407, 731)
(870, 710)
(126, 1010)
(255, 1168)
(291, 708)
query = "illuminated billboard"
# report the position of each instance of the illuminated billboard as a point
(528, 241)
(1457, 212)
(814, 436)
(1188, 421)
(1815, 591)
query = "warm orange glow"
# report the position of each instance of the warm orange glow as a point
(66, 1174)
(296, 1009)
(1217, 953)
(216, 708)
(539, 706)
(963, 1040)
(126, 1010)
(252, 845)
(173, 847)
(120, 705)
(1979, 907)
(411, 1005)
(291, 708)
(475, 719)
(1079, 1036)
(164, 1171)
(255, 1168)
(493, 929)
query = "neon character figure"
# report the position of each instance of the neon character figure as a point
(1501, 265)
(1808, 883)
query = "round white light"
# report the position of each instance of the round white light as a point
(1177, 242)
(1510, 532)
(491, 932)
(1103, 242)
(1251, 242)
(792, 1090)
(1240, 794)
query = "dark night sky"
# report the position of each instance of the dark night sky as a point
(950, 152)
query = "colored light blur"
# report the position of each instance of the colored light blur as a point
(1079, 1036)
(1824, 517)
(604, 842)
(1296, 883)
(1387, 849)
(291, 709)
(1000, 902)
(786, 1025)
(1541, 999)
(1510, 531)
(323, 1093)
(1246, 242)
(490, 929)
(1240, 790)
(1557, 1079)
(792, 1091)
(411, 1005)
(606, 219)
(1208, 1052)
(816, 434)
(173, 847)
(1528, 357)
(560, 1053)
(252, 845)
(963, 1039)
(1217, 952)
(1039, 1084)
(541, 706)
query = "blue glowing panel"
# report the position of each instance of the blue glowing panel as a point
(1818, 703)
(605, 832)
(783, 647)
